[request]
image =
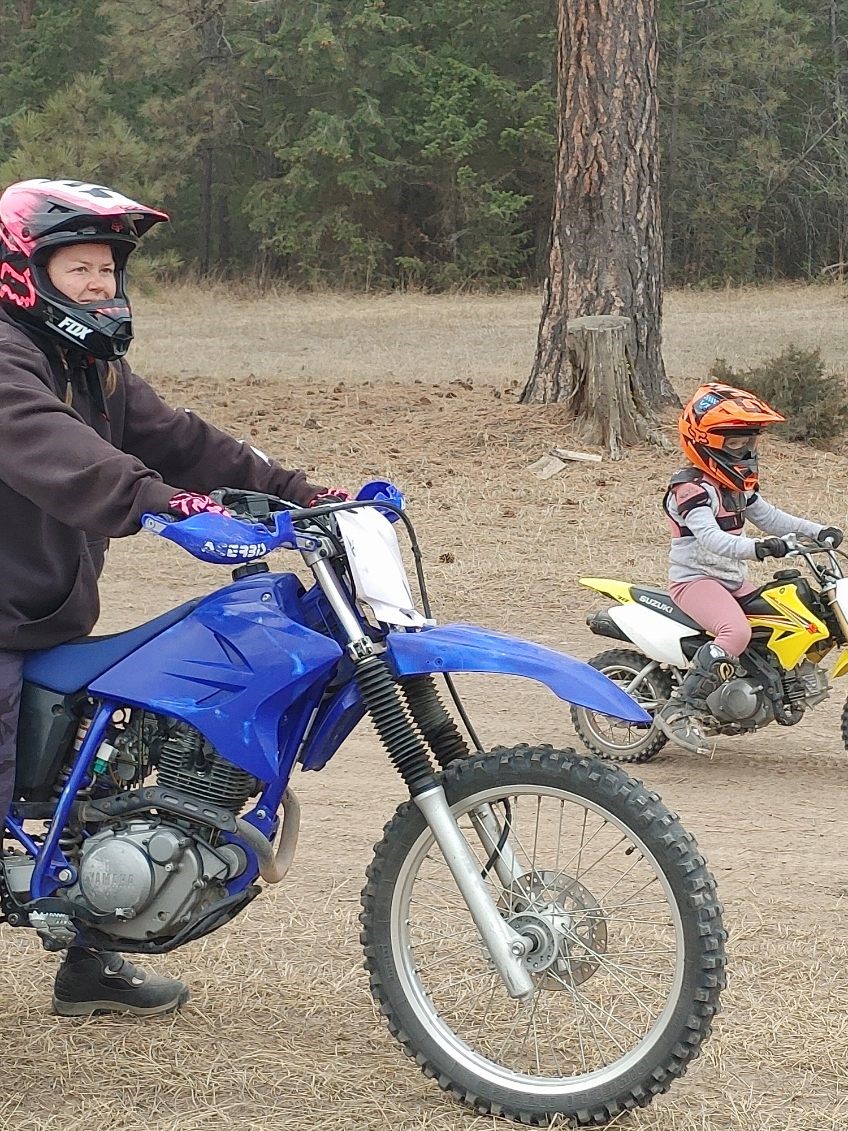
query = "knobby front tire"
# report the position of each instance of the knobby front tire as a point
(629, 952)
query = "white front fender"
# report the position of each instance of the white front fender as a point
(657, 636)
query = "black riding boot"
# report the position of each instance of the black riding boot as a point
(91, 981)
(680, 717)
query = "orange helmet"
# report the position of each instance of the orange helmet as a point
(718, 433)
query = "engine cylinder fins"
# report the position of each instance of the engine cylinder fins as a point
(189, 763)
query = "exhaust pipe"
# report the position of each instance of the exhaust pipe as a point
(273, 866)
(602, 624)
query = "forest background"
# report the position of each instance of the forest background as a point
(403, 143)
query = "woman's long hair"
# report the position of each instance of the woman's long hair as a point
(110, 384)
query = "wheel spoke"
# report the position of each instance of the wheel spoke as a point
(644, 681)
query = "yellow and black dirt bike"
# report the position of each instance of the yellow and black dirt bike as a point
(796, 622)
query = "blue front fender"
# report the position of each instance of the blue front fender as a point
(465, 648)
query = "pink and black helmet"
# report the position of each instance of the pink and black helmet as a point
(40, 215)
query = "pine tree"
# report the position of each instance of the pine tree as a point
(606, 252)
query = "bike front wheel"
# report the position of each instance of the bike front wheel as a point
(627, 946)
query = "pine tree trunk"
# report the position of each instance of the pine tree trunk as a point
(839, 55)
(606, 245)
(205, 216)
(606, 394)
(550, 379)
(26, 11)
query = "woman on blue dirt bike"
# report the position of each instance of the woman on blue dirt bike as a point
(86, 448)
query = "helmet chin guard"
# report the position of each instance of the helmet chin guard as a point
(39, 216)
(711, 425)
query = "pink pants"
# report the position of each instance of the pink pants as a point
(716, 609)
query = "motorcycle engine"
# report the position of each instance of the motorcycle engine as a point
(741, 701)
(153, 876)
(814, 682)
(156, 874)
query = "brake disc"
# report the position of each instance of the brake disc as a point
(564, 922)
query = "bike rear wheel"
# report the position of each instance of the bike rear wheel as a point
(612, 738)
(628, 947)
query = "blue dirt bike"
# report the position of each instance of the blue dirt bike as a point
(540, 932)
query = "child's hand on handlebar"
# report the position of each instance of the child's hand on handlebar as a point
(771, 548)
(831, 534)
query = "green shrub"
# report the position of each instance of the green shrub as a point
(794, 382)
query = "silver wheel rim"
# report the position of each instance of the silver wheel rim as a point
(633, 738)
(478, 1001)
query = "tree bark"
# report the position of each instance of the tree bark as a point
(606, 394)
(606, 241)
(26, 11)
(839, 56)
(205, 217)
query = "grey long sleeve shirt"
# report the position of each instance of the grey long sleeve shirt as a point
(710, 552)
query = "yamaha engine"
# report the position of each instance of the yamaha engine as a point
(149, 874)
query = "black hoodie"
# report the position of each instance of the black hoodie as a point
(74, 475)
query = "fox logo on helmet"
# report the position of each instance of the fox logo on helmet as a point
(17, 286)
(74, 328)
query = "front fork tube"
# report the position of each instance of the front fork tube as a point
(444, 739)
(382, 697)
(506, 947)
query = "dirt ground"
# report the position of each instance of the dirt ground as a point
(280, 1031)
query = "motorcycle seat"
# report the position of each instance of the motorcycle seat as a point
(71, 667)
(660, 601)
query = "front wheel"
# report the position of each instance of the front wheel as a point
(647, 683)
(844, 726)
(626, 942)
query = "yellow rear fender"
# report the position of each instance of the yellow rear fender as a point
(841, 665)
(619, 590)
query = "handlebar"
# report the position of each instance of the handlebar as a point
(261, 523)
(805, 544)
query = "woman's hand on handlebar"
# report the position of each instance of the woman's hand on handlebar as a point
(187, 503)
(330, 495)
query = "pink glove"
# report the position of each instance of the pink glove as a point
(186, 503)
(331, 495)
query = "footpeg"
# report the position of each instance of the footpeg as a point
(55, 929)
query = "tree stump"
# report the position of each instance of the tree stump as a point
(607, 399)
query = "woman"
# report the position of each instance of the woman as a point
(86, 448)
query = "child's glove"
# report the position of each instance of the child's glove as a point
(831, 534)
(186, 503)
(770, 548)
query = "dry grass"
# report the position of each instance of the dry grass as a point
(329, 338)
(281, 1032)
